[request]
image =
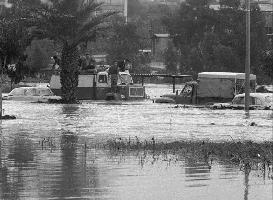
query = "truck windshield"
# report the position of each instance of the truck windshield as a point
(102, 78)
(187, 89)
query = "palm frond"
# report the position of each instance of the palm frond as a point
(95, 21)
(79, 25)
(90, 35)
(87, 9)
(67, 6)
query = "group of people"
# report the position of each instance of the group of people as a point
(86, 62)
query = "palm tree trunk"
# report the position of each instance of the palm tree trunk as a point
(69, 73)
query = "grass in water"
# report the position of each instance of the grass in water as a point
(246, 154)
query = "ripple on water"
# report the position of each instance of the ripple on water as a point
(43, 156)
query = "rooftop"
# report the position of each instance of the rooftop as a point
(225, 75)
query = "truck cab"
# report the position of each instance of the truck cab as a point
(186, 96)
(210, 87)
(127, 89)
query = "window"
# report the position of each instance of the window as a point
(187, 90)
(269, 99)
(252, 101)
(258, 101)
(17, 91)
(238, 100)
(31, 92)
(102, 79)
(45, 92)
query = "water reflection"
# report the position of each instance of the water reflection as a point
(21, 150)
(65, 168)
(77, 176)
(18, 165)
(246, 182)
(74, 171)
(68, 184)
(197, 172)
(70, 110)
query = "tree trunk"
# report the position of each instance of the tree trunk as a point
(69, 73)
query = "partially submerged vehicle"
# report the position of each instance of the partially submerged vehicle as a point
(257, 101)
(264, 88)
(210, 87)
(33, 94)
(97, 86)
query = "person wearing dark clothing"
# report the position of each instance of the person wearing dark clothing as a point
(56, 64)
(121, 66)
(113, 72)
(113, 69)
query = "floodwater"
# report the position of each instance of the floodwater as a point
(49, 152)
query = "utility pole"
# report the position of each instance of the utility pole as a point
(247, 60)
(3, 3)
(1, 103)
(1, 107)
(271, 33)
(126, 11)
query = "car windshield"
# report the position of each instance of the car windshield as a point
(18, 92)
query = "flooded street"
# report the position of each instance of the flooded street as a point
(49, 152)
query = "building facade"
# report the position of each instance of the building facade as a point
(113, 5)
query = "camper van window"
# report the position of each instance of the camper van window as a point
(258, 101)
(252, 101)
(102, 79)
(269, 99)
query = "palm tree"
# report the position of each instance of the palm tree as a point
(71, 23)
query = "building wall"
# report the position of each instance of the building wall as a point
(159, 46)
(112, 5)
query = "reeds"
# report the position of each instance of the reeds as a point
(246, 154)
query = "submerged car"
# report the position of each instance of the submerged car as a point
(34, 94)
(257, 100)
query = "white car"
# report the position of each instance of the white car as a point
(34, 94)
(257, 100)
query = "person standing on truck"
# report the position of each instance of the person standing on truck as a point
(128, 65)
(113, 72)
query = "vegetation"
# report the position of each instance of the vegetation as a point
(123, 43)
(214, 40)
(15, 24)
(246, 154)
(266, 67)
(170, 58)
(39, 53)
(71, 23)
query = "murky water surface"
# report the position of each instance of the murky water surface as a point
(50, 152)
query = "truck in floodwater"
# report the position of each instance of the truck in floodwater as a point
(97, 86)
(210, 87)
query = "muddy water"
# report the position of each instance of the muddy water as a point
(50, 152)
